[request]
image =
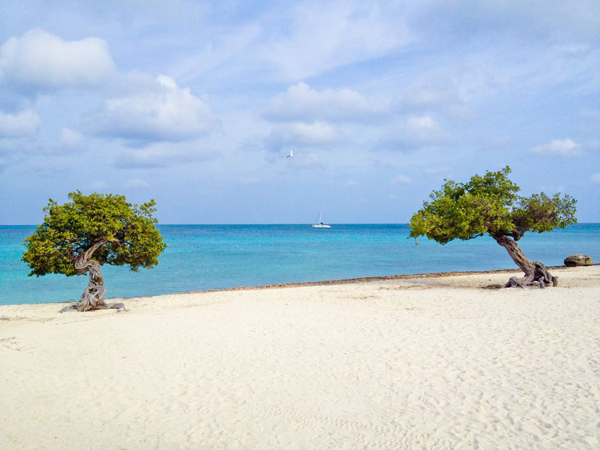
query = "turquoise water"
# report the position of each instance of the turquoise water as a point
(203, 257)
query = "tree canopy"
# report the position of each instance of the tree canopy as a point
(117, 233)
(489, 204)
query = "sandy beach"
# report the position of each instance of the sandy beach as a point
(438, 363)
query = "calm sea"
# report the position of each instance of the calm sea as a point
(203, 257)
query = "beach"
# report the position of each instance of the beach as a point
(429, 362)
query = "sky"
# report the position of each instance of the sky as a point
(197, 104)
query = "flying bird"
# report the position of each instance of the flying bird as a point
(291, 155)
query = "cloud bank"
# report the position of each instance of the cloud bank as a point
(43, 60)
(168, 113)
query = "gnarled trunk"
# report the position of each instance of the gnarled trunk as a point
(93, 296)
(535, 272)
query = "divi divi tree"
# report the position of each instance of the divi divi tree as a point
(89, 231)
(489, 204)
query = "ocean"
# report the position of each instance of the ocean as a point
(201, 257)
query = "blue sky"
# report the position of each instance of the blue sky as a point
(197, 104)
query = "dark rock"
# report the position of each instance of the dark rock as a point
(578, 260)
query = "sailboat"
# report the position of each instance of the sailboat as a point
(320, 223)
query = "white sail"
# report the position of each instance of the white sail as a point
(319, 221)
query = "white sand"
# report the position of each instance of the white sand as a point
(432, 363)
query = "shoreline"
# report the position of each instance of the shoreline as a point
(336, 282)
(342, 281)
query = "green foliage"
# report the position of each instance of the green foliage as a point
(128, 232)
(489, 204)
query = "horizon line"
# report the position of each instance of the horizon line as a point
(282, 224)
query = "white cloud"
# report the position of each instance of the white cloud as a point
(423, 130)
(422, 124)
(300, 134)
(168, 113)
(43, 60)
(302, 103)
(401, 179)
(596, 177)
(25, 123)
(558, 147)
(70, 138)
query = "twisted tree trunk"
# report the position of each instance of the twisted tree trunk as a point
(93, 296)
(535, 272)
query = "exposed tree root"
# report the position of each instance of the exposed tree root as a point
(77, 307)
(536, 274)
(539, 276)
